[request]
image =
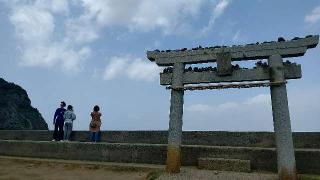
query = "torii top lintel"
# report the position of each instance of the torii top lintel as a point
(292, 48)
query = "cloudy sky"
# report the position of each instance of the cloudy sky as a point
(89, 52)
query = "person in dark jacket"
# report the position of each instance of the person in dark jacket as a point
(58, 122)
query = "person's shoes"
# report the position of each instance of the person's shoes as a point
(61, 140)
(53, 140)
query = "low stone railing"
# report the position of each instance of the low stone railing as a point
(149, 147)
(210, 138)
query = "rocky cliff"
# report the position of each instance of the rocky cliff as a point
(16, 111)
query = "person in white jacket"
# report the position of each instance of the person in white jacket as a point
(69, 117)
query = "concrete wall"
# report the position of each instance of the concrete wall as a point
(212, 138)
(262, 159)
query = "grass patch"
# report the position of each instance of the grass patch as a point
(154, 175)
(309, 177)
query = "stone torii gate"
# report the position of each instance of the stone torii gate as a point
(273, 74)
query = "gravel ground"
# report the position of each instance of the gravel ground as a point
(28, 170)
(18, 168)
(196, 174)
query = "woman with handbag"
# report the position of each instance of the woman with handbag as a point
(95, 124)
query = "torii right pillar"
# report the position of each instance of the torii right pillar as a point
(281, 120)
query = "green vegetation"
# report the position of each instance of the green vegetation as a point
(309, 177)
(154, 175)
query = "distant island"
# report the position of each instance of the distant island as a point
(16, 112)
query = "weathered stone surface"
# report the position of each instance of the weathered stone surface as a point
(223, 164)
(175, 124)
(110, 152)
(224, 66)
(292, 71)
(281, 120)
(293, 48)
(16, 111)
(275, 73)
(262, 159)
(209, 138)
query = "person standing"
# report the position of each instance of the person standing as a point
(69, 117)
(58, 121)
(95, 124)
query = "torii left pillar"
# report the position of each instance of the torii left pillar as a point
(175, 124)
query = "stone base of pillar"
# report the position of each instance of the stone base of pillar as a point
(286, 175)
(173, 159)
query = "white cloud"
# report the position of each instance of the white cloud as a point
(143, 15)
(239, 37)
(35, 26)
(55, 54)
(252, 114)
(170, 15)
(141, 70)
(32, 25)
(130, 67)
(255, 113)
(81, 30)
(314, 16)
(59, 6)
(204, 108)
(217, 11)
(227, 106)
(73, 60)
(236, 36)
(199, 108)
(116, 66)
(50, 36)
(259, 99)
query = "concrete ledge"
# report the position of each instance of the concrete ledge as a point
(95, 164)
(262, 159)
(222, 164)
(210, 138)
(115, 152)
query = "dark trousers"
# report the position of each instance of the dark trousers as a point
(58, 131)
(95, 136)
